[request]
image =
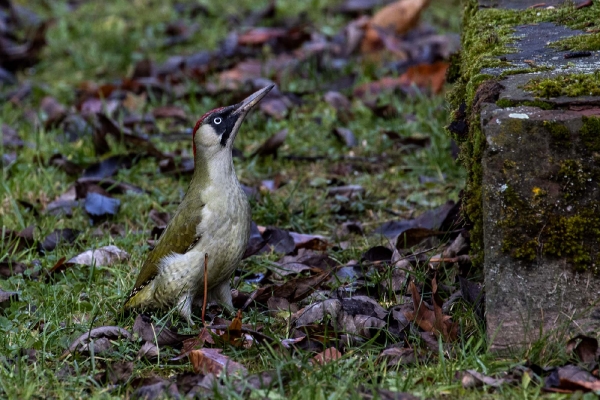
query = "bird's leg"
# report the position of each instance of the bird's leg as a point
(184, 306)
(222, 295)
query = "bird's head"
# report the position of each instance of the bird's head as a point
(216, 130)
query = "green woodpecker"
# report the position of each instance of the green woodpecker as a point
(213, 218)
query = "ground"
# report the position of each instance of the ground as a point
(101, 42)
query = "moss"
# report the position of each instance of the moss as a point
(590, 133)
(571, 85)
(488, 34)
(590, 42)
(529, 103)
(560, 136)
(541, 231)
(574, 178)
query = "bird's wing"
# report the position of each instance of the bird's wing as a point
(179, 236)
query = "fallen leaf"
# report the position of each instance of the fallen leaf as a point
(432, 219)
(327, 356)
(413, 236)
(211, 361)
(472, 378)
(157, 334)
(82, 343)
(422, 316)
(278, 241)
(148, 351)
(271, 145)
(242, 73)
(259, 36)
(443, 325)
(118, 372)
(316, 312)
(53, 111)
(58, 236)
(275, 107)
(7, 297)
(397, 356)
(400, 17)
(584, 347)
(337, 101)
(10, 137)
(10, 268)
(105, 256)
(98, 205)
(569, 379)
(170, 112)
(345, 136)
(293, 290)
(427, 76)
(233, 334)
(155, 387)
(310, 242)
(110, 166)
(378, 254)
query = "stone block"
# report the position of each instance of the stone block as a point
(541, 223)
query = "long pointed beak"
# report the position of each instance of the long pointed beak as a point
(252, 100)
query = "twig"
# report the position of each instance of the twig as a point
(587, 3)
(205, 287)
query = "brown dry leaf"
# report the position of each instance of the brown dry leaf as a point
(571, 378)
(157, 334)
(395, 356)
(271, 145)
(472, 378)
(413, 236)
(81, 344)
(311, 242)
(170, 112)
(370, 91)
(399, 17)
(7, 297)
(443, 325)
(426, 76)
(422, 316)
(584, 347)
(326, 356)
(245, 71)
(208, 361)
(293, 290)
(260, 35)
(9, 267)
(233, 334)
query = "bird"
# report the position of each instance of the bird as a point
(213, 219)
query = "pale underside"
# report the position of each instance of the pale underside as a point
(180, 278)
(223, 218)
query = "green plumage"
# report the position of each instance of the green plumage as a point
(212, 220)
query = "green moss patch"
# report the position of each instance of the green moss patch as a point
(590, 133)
(533, 228)
(570, 85)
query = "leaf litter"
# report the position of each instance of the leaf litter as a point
(330, 307)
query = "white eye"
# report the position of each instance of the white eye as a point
(217, 120)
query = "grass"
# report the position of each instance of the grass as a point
(100, 42)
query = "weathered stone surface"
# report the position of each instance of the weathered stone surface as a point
(533, 185)
(530, 293)
(517, 4)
